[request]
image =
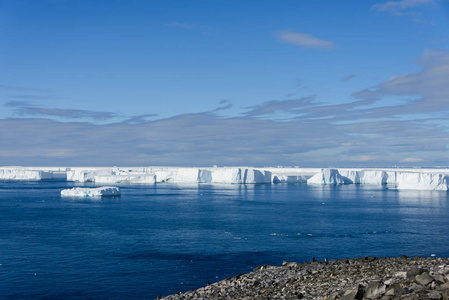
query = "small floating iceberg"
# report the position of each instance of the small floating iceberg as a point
(105, 191)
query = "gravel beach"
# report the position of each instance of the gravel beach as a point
(359, 278)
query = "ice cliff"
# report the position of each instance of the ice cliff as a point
(111, 175)
(402, 179)
(18, 173)
(398, 179)
(328, 176)
(422, 181)
(236, 175)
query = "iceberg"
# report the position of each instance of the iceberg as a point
(110, 175)
(105, 191)
(361, 176)
(328, 176)
(19, 173)
(373, 177)
(402, 179)
(181, 175)
(226, 175)
(229, 175)
(283, 178)
(292, 175)
(80, 175)
(251, 175)
(352, 175)
(239, 175)
(186, 175)
(127, 178)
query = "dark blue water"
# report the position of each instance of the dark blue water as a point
(164, 238)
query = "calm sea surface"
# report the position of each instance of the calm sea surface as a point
(164, 238)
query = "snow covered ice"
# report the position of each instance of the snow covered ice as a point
(401, 179)
(19, 173)
(111, 175)
(422, 181)
(105, 191)
(328, 176)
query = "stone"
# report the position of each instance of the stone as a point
(390, 292)
(434, 295)
(445, 286)
(424, 279)
(411, 273)
(375, 290)
(354, 293)
(401, 274)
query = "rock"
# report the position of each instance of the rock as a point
(411, 273)
(401, 274)
(390, 292)
(375, 291)
(354, 293)
(445, 286)
(434, 295)
(424, 279)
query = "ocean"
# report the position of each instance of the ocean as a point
(164, 238)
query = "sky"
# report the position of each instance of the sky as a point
(309, 83)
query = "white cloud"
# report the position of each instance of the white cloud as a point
(426, 91)
(205, 139)
(396, 7)
(412, 160)
(304, 40)
(24, 108)
(361, 158)
(360, 133)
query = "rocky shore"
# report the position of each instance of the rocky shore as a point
(346, 279)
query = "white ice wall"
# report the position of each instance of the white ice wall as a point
(373, 177)
(226, 175)
(24, 174)
(328, 176)
(126, 178)
(251, 175)
(422, 181)
(352, 175)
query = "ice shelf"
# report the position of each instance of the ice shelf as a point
(105, 191)
(18, 173)
(401, 179)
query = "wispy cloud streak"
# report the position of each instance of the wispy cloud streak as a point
(370, 130)
(400, 7)
(304, 40)
(23, 108)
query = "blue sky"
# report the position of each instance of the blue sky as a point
(197, 83)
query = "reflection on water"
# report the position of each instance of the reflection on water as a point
(422, 198)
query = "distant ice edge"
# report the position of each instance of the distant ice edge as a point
(416, 179)
(401, 179)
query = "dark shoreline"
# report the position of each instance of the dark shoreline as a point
(359, 278)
